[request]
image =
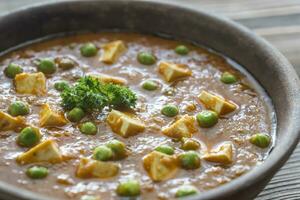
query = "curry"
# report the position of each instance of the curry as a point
(117, 115)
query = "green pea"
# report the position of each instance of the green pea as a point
(129, 188)
(190, 144)
(146, 58)
(261, 140)
(65, 63)
(61, 85)
(29, 137)
(228, 78)
(170, 110)
(207, 118)
(18, 108)
(47, 66)
(37, 172)
(75, 115)
(89, 197)
(118, 148)
(181, 50)
(12, 70)
(102, 153)
(149, 85)
(88, 128)
(166, 149)
(88, 50)
(189, 160)
(186, 190)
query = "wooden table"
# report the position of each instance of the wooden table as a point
(279, 23)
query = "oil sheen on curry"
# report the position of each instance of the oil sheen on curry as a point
(116, 115)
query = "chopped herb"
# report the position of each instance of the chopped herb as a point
(119, 96)
(90, 95)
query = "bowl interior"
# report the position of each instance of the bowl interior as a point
(265, 63)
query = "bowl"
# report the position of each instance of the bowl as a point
(263, 61)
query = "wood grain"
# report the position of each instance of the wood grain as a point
(276, 21)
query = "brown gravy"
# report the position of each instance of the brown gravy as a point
(254, 114)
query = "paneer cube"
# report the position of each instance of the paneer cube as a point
(89, 168)
(50, 118)
(34, 83)
(183, 127)
(124, 124)
(160, 166)
(222, 154)
(172, 72)
(9, 123)
(112, 51)
(46, 151)
(216, 103)
(103, 78)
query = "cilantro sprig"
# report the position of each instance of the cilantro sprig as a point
(91, 95)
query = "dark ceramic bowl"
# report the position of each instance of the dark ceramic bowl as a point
(264, 62)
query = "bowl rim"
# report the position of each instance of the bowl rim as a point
(282, 149)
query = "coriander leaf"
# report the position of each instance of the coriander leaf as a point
(84, 94)
(91, 95)
(119, 96)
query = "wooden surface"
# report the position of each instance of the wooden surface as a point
(279, 23)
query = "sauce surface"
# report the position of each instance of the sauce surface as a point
(253, 115)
